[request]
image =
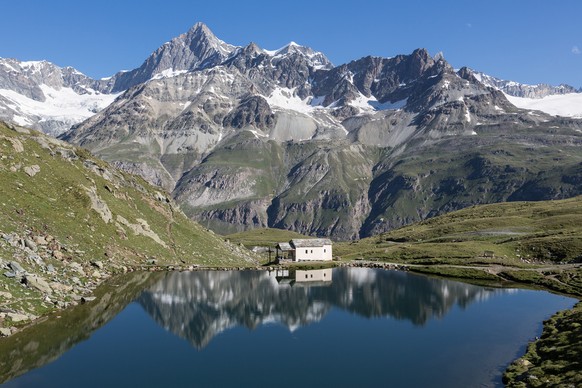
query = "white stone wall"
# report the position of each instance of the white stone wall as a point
(313, 253)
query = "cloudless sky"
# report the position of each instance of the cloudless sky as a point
(530, 41)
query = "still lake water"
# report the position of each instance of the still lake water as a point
(348, 327)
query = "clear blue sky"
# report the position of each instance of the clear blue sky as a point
(528, 41)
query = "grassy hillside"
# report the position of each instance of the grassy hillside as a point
(69, 220)
(263, 237)
(554, 360)
(517, 233)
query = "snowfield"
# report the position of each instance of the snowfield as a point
(568, 105)
(60, 105)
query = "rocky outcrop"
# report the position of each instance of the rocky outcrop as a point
(253, 111)
(98, 205)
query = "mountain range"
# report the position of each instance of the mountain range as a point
(245, 137)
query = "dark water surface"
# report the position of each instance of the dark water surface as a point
(343, 328)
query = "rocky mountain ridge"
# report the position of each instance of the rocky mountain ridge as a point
(245, 137)
(517, 89)
(284, 139)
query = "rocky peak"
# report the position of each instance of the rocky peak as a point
(24, 77)
(196, 49)
(415, 64)
(315, 58)
(466, 73)
(205, 45)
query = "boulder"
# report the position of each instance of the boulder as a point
(5, 331)
(58, 255)
(16, 317)
(16, 267)
(30, 244)
(86, 299)
(40, 240)
(36, 282)
(160, 197)
(32, 170)
(59, 287)
(36, 258)
(16, 144)
(98, 264)
(5, 295)
(77, 268)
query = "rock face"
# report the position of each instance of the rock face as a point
(252, 111)
(246, 137)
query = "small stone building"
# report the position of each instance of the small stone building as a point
(317, 249)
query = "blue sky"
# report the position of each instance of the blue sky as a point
(528, 41)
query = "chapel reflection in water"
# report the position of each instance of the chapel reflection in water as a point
(199, 305)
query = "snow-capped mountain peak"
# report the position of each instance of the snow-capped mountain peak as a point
(43, 96)
(318, 59)
(561, 100)
(201, 33)
(518, 89)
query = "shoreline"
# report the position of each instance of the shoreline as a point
(483, 275)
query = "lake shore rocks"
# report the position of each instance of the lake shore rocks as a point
(41, 277)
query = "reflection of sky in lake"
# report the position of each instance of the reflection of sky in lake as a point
(364, 328)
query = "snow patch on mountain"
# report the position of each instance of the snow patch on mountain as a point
(285, 98)
(371, 104)
(63, 105)
(568, 105)
(168, 73)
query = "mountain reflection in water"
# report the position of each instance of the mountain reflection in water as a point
(200, 305)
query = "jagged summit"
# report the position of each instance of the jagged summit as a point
(318, 59)
(196, 49)
(200, 39)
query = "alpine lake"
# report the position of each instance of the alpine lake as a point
(342, 327)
